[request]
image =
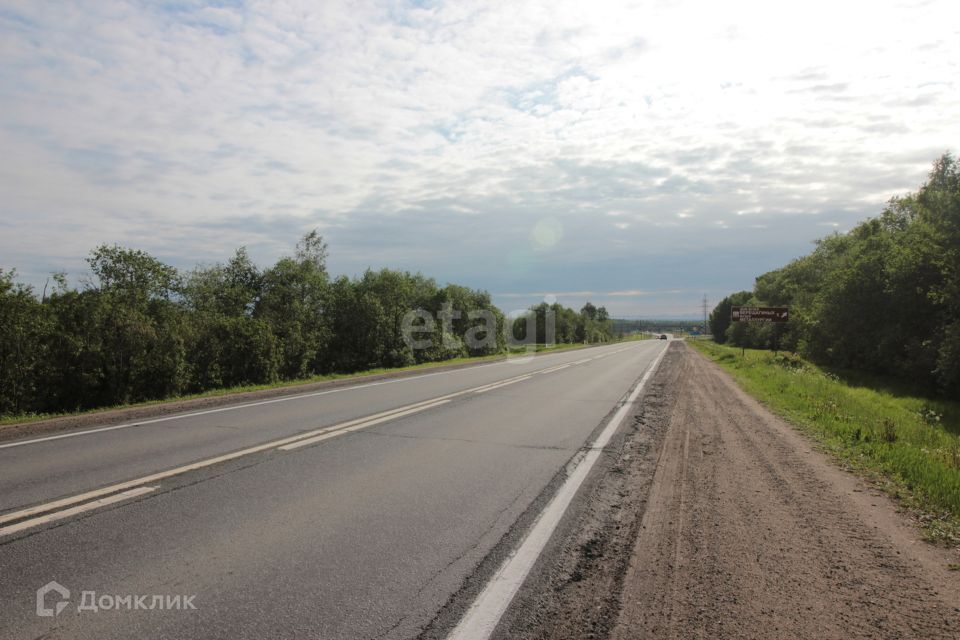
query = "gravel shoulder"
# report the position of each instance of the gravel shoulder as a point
(713, 518)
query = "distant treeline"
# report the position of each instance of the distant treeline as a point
(623, 327)
(561, 325)
(883, 298)
(142, 330)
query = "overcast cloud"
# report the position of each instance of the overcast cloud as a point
(636, 154)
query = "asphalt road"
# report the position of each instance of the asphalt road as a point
(366, 533)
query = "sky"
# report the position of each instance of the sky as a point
(639, 155)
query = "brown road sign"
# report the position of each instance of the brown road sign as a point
(759, 314)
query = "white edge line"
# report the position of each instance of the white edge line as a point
(298, 396)
(343, 427)
(181, 416)
(484, 614)
(200, 464)
(324, 432)
(66, 513)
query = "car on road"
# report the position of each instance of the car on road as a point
(663, 336)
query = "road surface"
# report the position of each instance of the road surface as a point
(275, 526)
(704, 516)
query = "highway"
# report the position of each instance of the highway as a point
(354, 512)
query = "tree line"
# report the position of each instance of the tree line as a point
(883, 298)
(557, 324)
(140, 329)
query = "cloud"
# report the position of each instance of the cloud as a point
(486, 143)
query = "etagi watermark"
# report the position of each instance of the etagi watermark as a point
(53, 598)
(419, 330)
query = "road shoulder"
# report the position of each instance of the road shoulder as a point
(752, 532)
(724, 521)
(573, 590)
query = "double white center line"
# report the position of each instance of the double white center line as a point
(362, 423)
(58, 509)
(66, 513)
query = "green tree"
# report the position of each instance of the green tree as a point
(131, 275)
(589, 311)
(884, 297)
(231, 289)
(293, 303)
(719, 319)
(139, 352)
(25, 328)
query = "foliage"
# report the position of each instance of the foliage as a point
(719, 320)
(883, 298)
(556, 324)
(140, 330)
(23, 352)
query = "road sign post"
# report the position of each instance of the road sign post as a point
(776, 315)
(759, 314)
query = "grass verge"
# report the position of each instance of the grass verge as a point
(907, 445)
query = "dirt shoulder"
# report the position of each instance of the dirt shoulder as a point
(573, 590)
(733, 525)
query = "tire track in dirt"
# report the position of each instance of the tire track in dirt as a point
(774, 547)
(712, 518)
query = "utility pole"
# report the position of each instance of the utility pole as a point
(704, 314)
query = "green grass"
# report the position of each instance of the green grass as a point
(212, 393)
(906, 443)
